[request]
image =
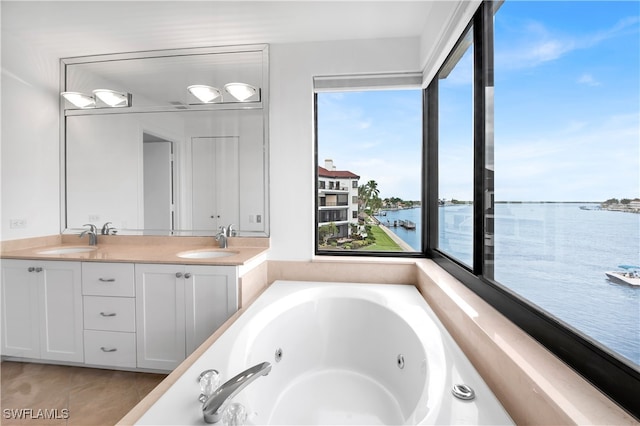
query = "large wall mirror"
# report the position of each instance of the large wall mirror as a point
(169, 163)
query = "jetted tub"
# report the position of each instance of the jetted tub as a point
(340, 353)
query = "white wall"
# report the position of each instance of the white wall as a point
(30, 176)
(30, 156)
(292, 68)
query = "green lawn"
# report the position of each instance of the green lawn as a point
(383, 241)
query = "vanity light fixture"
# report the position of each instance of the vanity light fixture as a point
(113, 98)
(79, 100)
(240, 91)
(206, 94)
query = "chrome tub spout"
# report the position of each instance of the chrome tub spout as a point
(214, 406)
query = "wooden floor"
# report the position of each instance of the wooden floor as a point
(60, 395)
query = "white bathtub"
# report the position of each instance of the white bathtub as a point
(350, 354)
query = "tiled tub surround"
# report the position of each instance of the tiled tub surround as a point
(531, 383)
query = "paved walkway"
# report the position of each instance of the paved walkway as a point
(403, 245)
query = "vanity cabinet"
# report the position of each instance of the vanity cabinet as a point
(178, 307)
(109, 314)
(42, 310)
(120, 315)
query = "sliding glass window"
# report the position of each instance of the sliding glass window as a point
(541, 128)
(455, 148)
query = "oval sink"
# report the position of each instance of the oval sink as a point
(67, 250)
(205, 254)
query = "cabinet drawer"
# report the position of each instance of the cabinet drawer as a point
(108, 279)
(110, 348)
(109, 313)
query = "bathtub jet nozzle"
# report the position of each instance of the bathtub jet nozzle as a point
(213, 407)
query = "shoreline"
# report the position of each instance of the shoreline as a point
(403, 245)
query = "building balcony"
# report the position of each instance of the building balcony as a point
(336, 190)
(333, 204)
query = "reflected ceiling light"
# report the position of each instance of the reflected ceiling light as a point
(206, 94)
(79, 99)
(240, 91)
(113, 98)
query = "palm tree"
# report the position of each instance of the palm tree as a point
(369, 194)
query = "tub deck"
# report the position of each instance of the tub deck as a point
(341, 345)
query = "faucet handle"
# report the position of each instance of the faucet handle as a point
(92, 227)
(230, 231)
(209, 381)
(106, 229)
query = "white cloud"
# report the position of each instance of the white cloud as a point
(364, 124)
(535, 44)
(588, 80)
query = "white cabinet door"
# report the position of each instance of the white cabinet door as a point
(20, 321)
(211, 297)
(42, 310)
(160, 316)
(178, 307)
(215, 182)
(61, 329)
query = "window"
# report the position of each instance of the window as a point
(370, 143)
(554, 176)
(455, 149)
(531, 171)
(566, 141)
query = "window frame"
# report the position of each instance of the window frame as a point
(595, 362)
(363, 83)
(604, 369)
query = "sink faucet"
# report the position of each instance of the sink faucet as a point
(106, 229)
(92, 232)
(221, 237)
(214, 406)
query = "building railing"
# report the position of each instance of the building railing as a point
(334, 203)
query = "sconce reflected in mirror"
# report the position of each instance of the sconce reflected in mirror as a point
(108, 99)
(240, 91)
(79, 100)
(112, 98)
(205, 94)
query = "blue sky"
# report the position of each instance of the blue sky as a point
(567, 114)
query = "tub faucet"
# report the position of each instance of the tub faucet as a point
(214, 406)
(92, 232)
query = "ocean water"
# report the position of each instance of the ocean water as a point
(555, 255)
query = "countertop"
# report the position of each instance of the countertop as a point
(137, 249)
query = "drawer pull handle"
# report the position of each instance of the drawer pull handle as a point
(106, 280)
(103, 349)
(110, 314)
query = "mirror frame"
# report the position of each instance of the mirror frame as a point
(262, 103)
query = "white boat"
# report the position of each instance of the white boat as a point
(629, 276)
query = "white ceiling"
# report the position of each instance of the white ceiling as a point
(67, 29)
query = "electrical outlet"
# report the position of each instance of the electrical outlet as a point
(258, 218)
(251, 218)
(17, 223)
(94, 218)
